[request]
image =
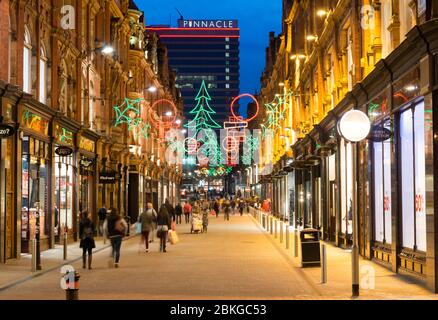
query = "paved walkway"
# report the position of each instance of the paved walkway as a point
(236, 259)
(384, 284)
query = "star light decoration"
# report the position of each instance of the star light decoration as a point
(276, 112)
(129, 112)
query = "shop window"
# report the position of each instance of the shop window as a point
(413, 186)
(382, 187)
(34, 191)
(64, 193)
(27, 62)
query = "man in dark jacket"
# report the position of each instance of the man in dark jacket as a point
(216, 208)
(163, 226)
(178, 212)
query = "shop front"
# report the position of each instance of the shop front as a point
(396, 188)
(65, 195)
(35, 180)
(136, 192)
(87, 160)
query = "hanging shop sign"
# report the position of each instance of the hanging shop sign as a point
(379, 134)
(108, 177)
(6, 130)
(63, 151)
(63, 135)
(86, 162)
(86, 144)
(34, 122)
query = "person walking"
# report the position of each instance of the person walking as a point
(233, 205)
(86, 232)
(241, 207)
(227, 209)
(178, 213)
(216, 208)
(147, 224)
(163, 226)
(115, 227)
(187, 211)
(205, 221)
(102, 216)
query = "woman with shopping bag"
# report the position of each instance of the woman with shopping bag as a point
(163, 226)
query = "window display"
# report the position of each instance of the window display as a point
(34, 191)
(64, 192)
(412, 145)
(382, 187)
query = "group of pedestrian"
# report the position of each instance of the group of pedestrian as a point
(111, 225)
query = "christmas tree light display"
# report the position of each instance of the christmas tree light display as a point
(203, 113)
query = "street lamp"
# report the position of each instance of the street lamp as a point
(152, 89)
(354, 126)
(107, 49)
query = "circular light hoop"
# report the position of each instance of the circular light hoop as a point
(241, 96)
(166, 124)
(187, 141)
(354, 126)
(233, 142)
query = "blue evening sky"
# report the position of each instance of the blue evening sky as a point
(256, 19)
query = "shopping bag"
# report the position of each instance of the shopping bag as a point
(137, 228)
(173, 226)
(173, 237)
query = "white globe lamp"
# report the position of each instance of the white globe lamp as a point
(354, 126)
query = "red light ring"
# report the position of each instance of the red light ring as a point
(166, 124)
(241, 96)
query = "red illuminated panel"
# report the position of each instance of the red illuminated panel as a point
(194, 29)
(197, 36)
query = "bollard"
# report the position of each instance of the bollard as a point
(65, 245)
(275, 226)
(281, 231)
(271, 225)
(295, 243)
(323, 263)
(72, 291)
(287, 236)
(33, 260)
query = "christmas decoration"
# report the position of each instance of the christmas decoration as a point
(128, 112)
(241, 96)
(203, 113)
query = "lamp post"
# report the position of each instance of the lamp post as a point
(354, 126)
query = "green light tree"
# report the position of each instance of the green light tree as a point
(203, 113)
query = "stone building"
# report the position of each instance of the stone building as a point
(380, 57)
(66, 66)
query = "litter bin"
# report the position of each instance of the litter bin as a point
(310, 248)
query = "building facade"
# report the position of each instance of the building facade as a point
(379, 57)
(69, 64)
(204, 50)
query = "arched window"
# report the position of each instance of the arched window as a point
(43, 76)
(27, 62)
